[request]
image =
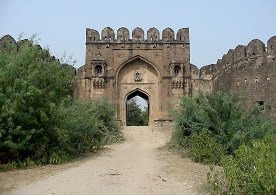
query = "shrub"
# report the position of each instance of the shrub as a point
(204, 148)
(39, 121)
(251, 170)
(31, 89)
(223, 115)
(90, 125)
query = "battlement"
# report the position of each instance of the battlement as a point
(138, 36)
(248, 70)
(255, 52)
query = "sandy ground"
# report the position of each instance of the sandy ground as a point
(138, 165)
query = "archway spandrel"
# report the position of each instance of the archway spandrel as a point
(138, 74)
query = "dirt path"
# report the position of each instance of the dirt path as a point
(136, 166)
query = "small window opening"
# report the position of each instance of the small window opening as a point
(256, 80)
(272, 58)
(267, 79)
(105, 38)
(254, 53)
(94, 38)
(245, 81)
(98, 70)
(176, 70)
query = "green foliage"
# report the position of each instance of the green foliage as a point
(228, 122)
(251, 170)
(204, 148)
(31, 89)
(145, 116)
(90, 125)
(135, 116)
(207, 124)
(39, 121)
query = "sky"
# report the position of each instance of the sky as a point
(215, 25)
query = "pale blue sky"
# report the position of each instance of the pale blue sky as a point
(215, 25)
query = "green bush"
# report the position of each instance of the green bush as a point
(39, 121)
(204, 148)
(224, 116)
(90, 125)
(251, 170)
(31, 89)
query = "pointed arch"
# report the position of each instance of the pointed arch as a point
(143, 94)
(137, 57)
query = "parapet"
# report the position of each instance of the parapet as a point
(123, 34)
(254, 49)
(7, 42)
(239, 53)
(108, 34)
(183, 34)
(230, 57)
(138, 35)
(92, 35)
(168, 34)
(153, 34)
(271, 46)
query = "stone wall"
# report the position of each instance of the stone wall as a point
(151, 64)
(162, 60)
(249, 71)
(8, 43)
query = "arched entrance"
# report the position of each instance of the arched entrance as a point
(138, 76)
(141, 114)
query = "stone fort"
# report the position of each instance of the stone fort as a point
(156, 66)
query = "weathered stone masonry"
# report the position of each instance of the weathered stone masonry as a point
(249, 71)
(157, 67)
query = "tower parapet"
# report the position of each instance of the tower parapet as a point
(138, 35)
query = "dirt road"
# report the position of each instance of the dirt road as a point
(136, 166)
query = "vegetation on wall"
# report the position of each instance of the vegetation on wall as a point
(217, 128)
(39, 120)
